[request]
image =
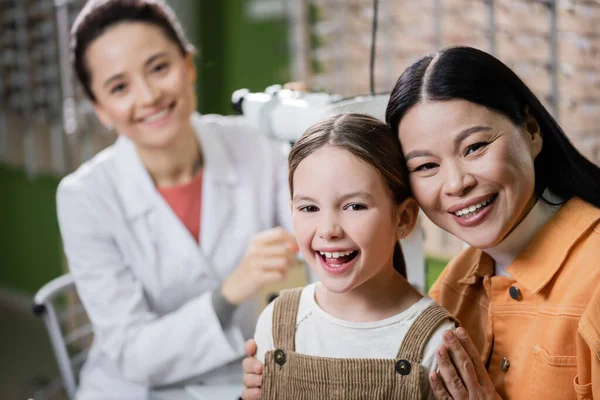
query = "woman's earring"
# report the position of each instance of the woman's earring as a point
(401, 233)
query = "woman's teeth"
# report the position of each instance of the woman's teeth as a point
(473, 208)
(158, 115)
(336, 254)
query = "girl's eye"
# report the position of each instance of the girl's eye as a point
(474, 147)
(355, 207)
(308, 209)
(117, 88)
(425, 167)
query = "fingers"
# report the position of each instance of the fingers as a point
(250, 349)
(473, 353)
(278, 263)
(274, 236)
(251, 365)
(252, 373)
(292, 246)
(298, 86)
(270, 277)
(274, 250)
(437, 387)
(252, 381)
(461, 361)
(251, 394)
(452, 381)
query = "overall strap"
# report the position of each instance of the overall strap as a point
(285, 313)
(418, 334)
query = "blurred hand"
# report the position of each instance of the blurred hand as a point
(268, 259)
(252, 373)
(297, 86)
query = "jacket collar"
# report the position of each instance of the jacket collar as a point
(535, 266)
(539, 262)
(136, 186)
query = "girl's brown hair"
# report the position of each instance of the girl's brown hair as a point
(366, 138)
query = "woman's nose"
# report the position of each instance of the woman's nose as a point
(458, 181)
(148, 94)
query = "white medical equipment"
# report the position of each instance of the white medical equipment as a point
(285, 114)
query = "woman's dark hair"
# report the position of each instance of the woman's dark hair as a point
(368, 139)
(473, 75)
(99, 15)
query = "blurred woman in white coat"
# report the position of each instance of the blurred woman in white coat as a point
(171, 232)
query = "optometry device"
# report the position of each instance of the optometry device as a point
(285, 114)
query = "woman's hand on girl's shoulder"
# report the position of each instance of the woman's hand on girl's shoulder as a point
(462, 375)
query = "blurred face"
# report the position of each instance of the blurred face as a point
(471, 169)
(344, 218)
(143, 85)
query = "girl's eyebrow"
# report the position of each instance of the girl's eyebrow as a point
(360, 193)
(303, 198)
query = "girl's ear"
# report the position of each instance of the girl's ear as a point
(408, 211)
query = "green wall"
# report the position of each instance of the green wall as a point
(30, 249)
(236, 52)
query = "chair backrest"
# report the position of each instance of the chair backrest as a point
(68, 327)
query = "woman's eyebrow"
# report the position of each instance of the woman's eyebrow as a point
(416, 153)
(468, 132)
(152, 58)
(457, 140)
(113, 78)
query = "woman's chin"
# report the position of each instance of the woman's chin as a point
(481, 241)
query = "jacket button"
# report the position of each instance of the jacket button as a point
(403, 367)
(279, 357)
(514, 292)
(505, 364)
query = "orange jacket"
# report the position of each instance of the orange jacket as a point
(539, 331)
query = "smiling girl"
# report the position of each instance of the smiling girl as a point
(363, 332)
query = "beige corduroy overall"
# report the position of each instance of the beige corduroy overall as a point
(292, 376)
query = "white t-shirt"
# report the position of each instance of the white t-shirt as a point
(320, 334)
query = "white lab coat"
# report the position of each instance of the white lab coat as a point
(144, 281)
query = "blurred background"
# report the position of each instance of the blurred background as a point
(47, 128)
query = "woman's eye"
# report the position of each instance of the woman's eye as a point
(474, 147)
(355, 207)
(308, 209)
(160, 67)
(425, 167)
(117, 88)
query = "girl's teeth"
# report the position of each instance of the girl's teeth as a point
(336, 254)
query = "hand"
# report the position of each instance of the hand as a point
(470, 379)
(252, 373)
(296, 86)
(268, 259)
